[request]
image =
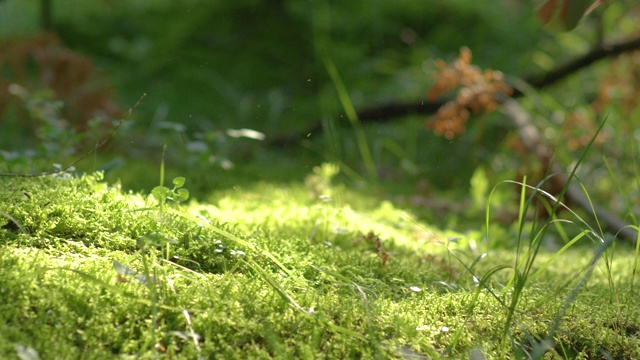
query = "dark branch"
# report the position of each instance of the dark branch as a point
(597, 53)
(373, 115)
(395, 110)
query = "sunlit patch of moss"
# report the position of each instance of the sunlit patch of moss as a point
(267, 271)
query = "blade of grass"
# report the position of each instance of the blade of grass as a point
(294, 304)
(604, 243)
(164, 149)
(347, 281)
(352, 116)
(572, 175)
(635, 259)
(116, 289)
(18, 224)
(556, 254)
(521, 279)
(576, 290)
(279, 289)
(321, 20)
(457, 258)
(205, 223)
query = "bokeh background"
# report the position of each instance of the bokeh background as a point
(70, 69)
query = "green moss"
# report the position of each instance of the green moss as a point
(197, 291)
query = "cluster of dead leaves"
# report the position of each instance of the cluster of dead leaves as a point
(477, 92)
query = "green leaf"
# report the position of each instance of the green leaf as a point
(179, 182)
(182, 195)
(160, 193)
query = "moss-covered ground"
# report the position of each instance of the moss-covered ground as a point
(266, 270)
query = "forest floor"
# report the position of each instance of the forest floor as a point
(298, 270)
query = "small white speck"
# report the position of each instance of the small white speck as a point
(415, 288)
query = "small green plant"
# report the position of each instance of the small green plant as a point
(177, 194)
(162, 194)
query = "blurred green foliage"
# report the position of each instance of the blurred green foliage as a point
(209, 66)
(254, 63)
